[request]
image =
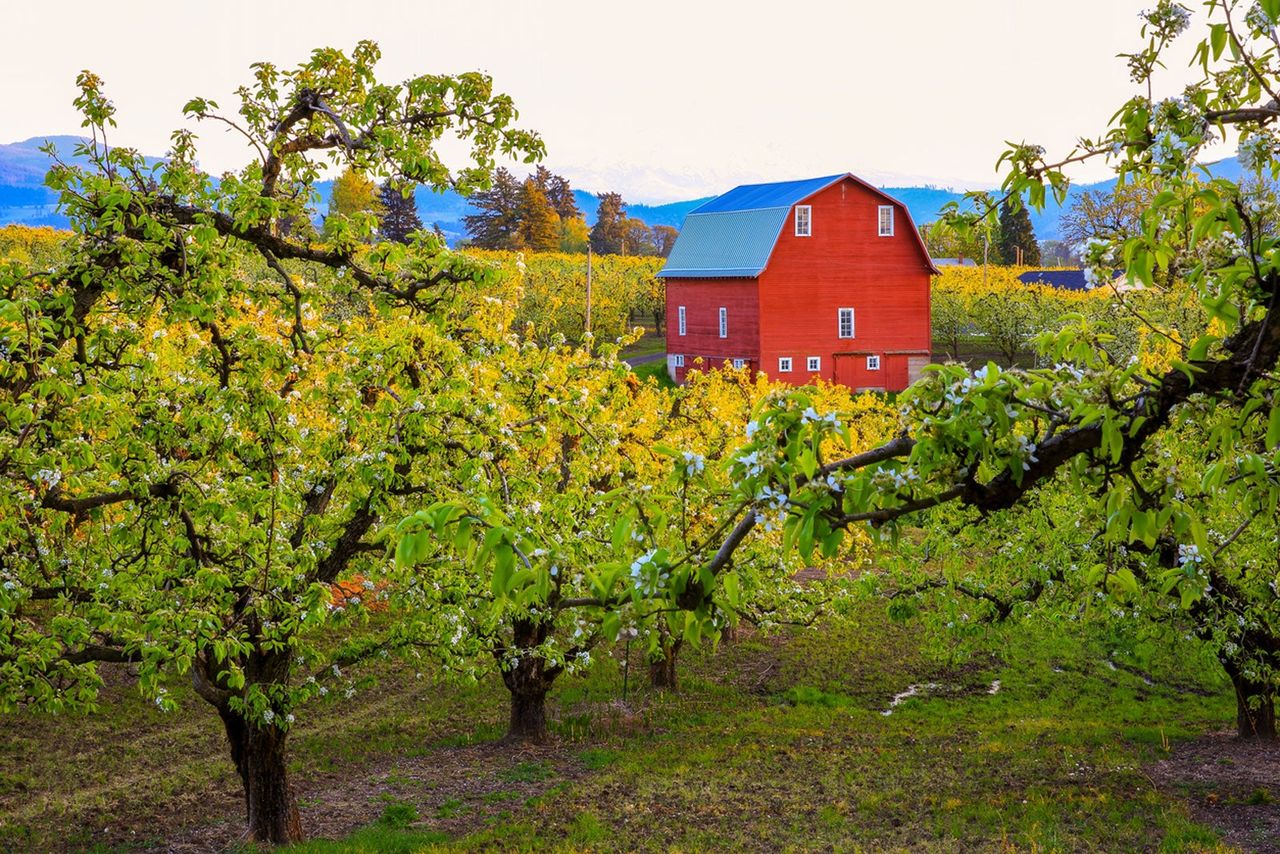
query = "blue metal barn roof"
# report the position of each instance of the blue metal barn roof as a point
(754, 197)
(730, 244)
(733, 235)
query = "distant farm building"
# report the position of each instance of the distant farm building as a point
(954, 262)
(825, 278)
(1070, 280)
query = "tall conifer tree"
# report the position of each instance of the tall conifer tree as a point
(539, 225)
(400, 214)
(609, 232)
(1016, 233)
(496, 224)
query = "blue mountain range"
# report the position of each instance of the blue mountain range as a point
(25, 199)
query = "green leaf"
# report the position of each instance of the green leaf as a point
(732, 589)
(404, 550)
(1124, 579)
(1218, 39)
(462, 536)
(1273, 427)
(1200, 349)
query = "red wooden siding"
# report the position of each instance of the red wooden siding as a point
(845, 264)
(702, 299)
(792, 309)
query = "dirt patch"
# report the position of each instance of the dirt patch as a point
(1231, 785)
(455, 790)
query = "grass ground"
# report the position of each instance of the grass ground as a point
(650, 344)
(656, 371)
(772, 743)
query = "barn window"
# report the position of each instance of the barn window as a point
(846, 323)
(680, 312)
(804, 220)
(724, 322)
(886, 220)
(784, 365)
(738, 364)
(873, 363)
(815, 363)
(678, 360)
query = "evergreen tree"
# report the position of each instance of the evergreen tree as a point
(496, 225)
(558, 193)
(400, 214)
(539, 225)
(1016, 233)
(609, 232)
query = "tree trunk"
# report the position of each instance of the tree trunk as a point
(528, 717)
(662, 671)
(258, 752)
(1255, 707)
(528, 679)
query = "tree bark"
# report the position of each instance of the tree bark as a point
(528, 678)
(258, 752)
(1255, 707)
(528, 717)
(662, 671)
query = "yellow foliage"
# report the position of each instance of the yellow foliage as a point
(553, 291)
(31, 244)
(980, 281)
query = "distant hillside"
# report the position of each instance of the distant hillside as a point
(25, 199)
(23, 196)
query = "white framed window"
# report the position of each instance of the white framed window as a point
(724, 322)
(873, 363)
(886, 220)
(844, 323)
(678, 360)
(784, 365)
(815, 363)
(738, 364)
(680, 319)
(804, 220)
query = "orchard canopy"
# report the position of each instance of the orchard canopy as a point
(211, 416)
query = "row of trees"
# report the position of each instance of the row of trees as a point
(615, 233)
(538, 214)
(210, 423)
(1112, 215)
(206, 423)
(549, 294)
(991, 310)
(541, 214)
(354, 195)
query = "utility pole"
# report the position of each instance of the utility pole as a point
(986, 251)
(588, 289)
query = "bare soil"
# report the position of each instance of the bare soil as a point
(1230, 784)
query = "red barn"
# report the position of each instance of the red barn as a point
(825, 278)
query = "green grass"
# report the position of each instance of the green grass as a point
(772, 743)
(376, 839)
(649, 344)
(657, 371)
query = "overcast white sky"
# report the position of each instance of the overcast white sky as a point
(658, 99)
